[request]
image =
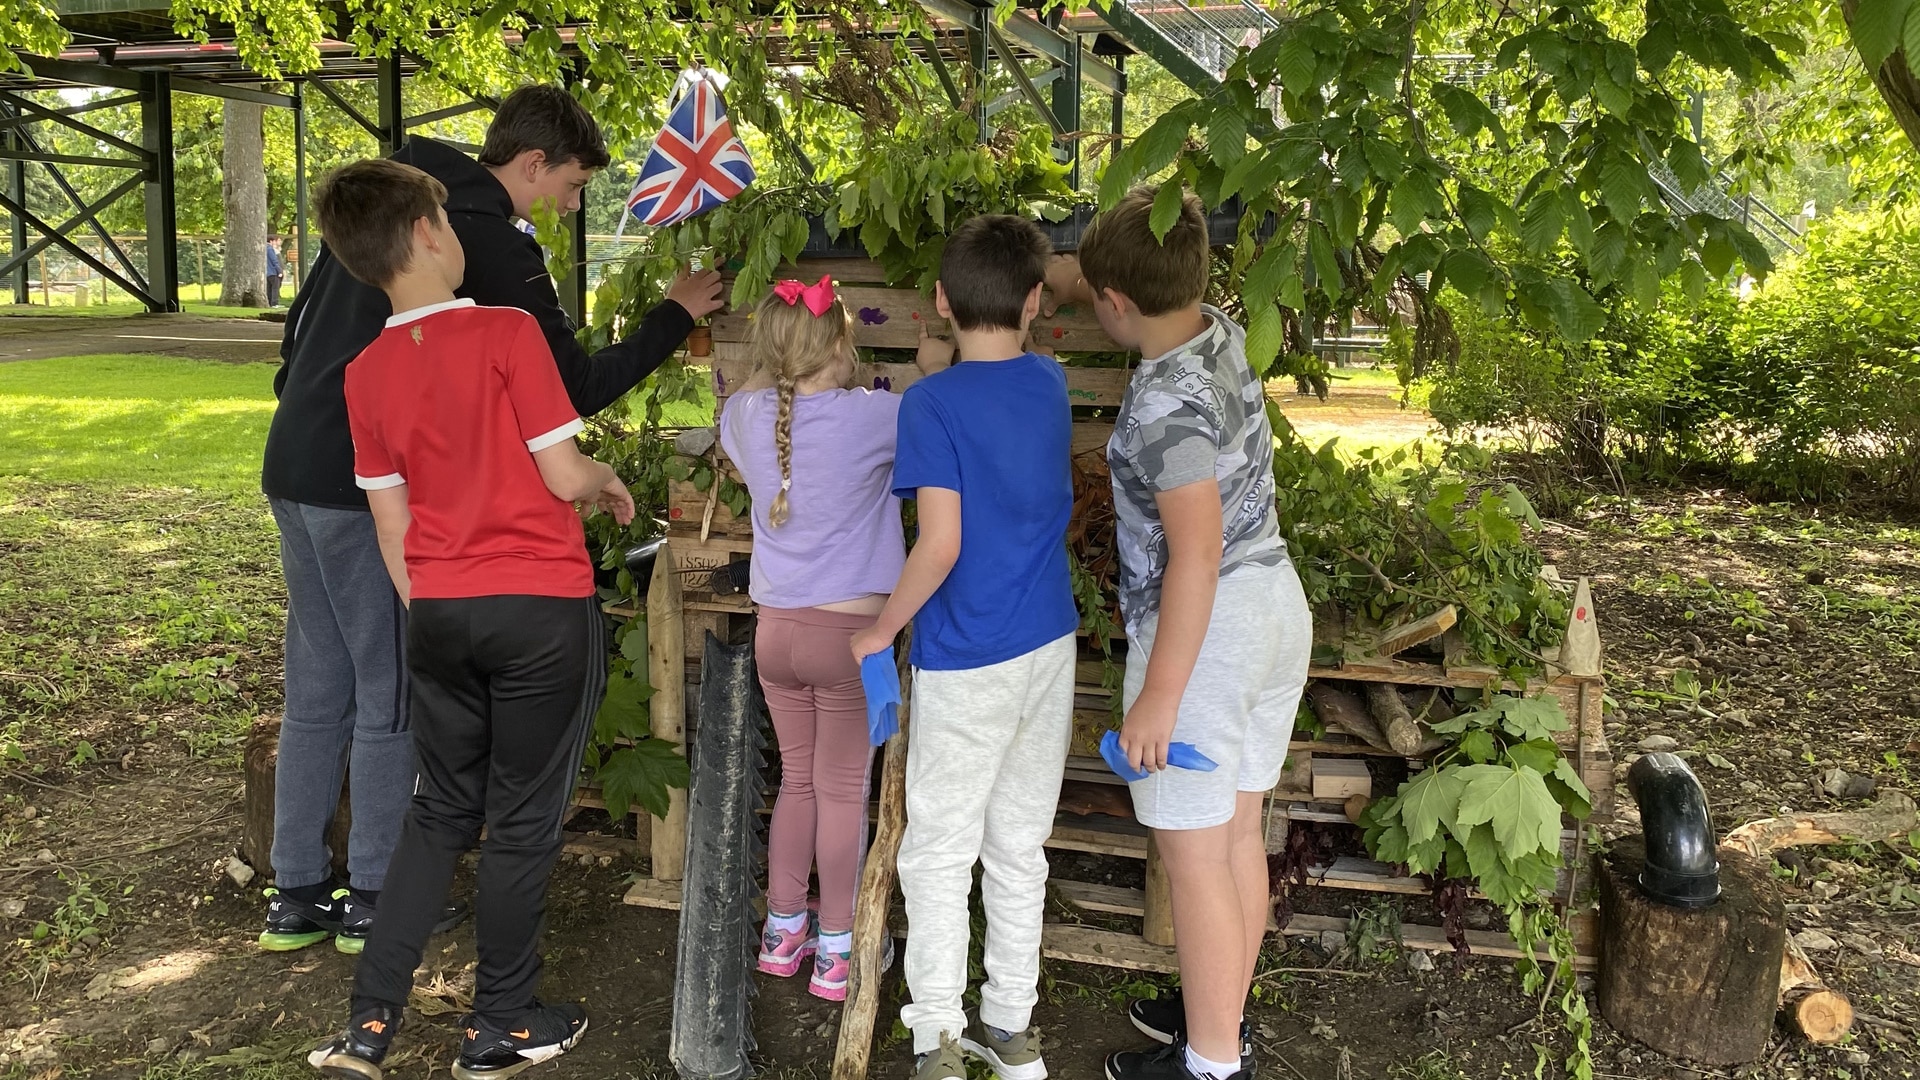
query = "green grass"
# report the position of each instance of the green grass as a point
(120, 308)
(115, 421)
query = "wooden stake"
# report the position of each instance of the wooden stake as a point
(855, 1048)
(667, 708)
(1580, 652)
(1157, 925)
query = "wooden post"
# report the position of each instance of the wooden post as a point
(1695, 983)
(667, 708)
(1157, 925)
(46, 289)
(855, 1048)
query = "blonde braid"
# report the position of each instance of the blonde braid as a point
(783, 444)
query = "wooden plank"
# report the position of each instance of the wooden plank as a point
(1337, 779)
(890, 318)
(1433, 938)
(725, 605)
(1405, 636)
(1106, 948)
(1069, 837)
(654, 893)
(667, 708)
(1085, 385)
(1107, 899)
(687, 508)
(600, 846)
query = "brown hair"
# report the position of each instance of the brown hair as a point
(791, 343)
(1118, 252)
(548, 119)
(367, 210)
(989, 267)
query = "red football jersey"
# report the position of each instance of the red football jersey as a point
(452, 400)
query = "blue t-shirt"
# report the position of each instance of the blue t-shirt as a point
(999, 433)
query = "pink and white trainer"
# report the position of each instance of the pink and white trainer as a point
(782, 951)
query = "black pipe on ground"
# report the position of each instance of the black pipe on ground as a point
(1680, 867)
(713, 983)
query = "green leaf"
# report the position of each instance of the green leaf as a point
(1570, 789)
(1429, 801)
(1578, 218)
(623, 713)
(1539, 755)
(1753, 254)
(1483, 853)
(1325, 265)
(1575, 313)
(1262, 281)
(1516, 802)
(1911, 40)
(1608, 258)
(1689, 164)
(1468, 271)
(1878, 29)
(1413, 200)
(1693, 280)
(634, 645)
(1621, 185)
(1479, 211)
(1540, 222)
(1266, 331)
(1296, 65)
(1227, 133)
(1467, 113)
(1167, 203)
(1531, 718)
(642, 773)
(1479, 747)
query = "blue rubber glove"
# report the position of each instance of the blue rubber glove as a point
(880, 678)
(1180, 755)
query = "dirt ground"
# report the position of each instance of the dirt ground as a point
(38, 337)
(1795, 629)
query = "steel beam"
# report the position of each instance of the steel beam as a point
(75, 110)
(393, 119)
(17, 189)
(163, 236)
(45, 67)
(25, 139)
(447, 113)
(78, 252)
(41, 112)
(1066, 107)
(58, 236)
(9, 154)
(300, 183)
(339, 102)
(204, 88)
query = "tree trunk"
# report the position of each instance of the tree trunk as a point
(1896, 82)
(243, 189)
(262, 757)
(1696, 983)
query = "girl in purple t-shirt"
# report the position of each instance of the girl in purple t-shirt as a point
(817, 456)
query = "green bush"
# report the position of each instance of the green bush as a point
(1823, 379)
(1809, 389)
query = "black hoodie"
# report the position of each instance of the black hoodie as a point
(309, 456)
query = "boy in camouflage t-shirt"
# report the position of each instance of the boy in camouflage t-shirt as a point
(1218, 630)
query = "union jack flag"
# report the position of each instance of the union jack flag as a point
(697, 162)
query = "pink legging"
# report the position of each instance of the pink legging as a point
(820, 714)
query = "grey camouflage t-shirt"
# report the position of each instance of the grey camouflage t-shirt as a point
(1195, 413)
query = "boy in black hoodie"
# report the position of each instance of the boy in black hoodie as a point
(346, 687)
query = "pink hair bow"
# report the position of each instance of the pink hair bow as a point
(818, 296)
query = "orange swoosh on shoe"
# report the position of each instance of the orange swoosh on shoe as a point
(526, 1034)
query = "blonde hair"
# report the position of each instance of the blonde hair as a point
(790, 343)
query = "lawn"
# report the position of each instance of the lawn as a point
(194, 300)
(116, 421)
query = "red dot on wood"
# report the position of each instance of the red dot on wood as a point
(676, 513)
(1059, 333)
(1580, 614)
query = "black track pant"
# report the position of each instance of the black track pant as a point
(504, 693)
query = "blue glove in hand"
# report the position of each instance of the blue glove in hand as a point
(880, 678)
(1180, 755)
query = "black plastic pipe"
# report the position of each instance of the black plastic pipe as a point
(1681, 869)
(640, 561)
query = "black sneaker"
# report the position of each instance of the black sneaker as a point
(544, 1033)
(1164, 1020)
(1162, 1063)
(356, 925)
(295, 924)
(356, 1053)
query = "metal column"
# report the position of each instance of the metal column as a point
(977, 53)
(17, 188)
(163, 239)
(392, 117)
(300, 184)
(1066, 108)
(1120, 104)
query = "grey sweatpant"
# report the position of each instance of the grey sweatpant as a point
(985, 755)
(346, 698)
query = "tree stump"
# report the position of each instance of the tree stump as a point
(1701, 984)
(262, 757)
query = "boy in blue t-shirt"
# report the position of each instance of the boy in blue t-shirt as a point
(984, 446)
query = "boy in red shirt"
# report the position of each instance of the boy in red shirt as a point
(463, 441)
